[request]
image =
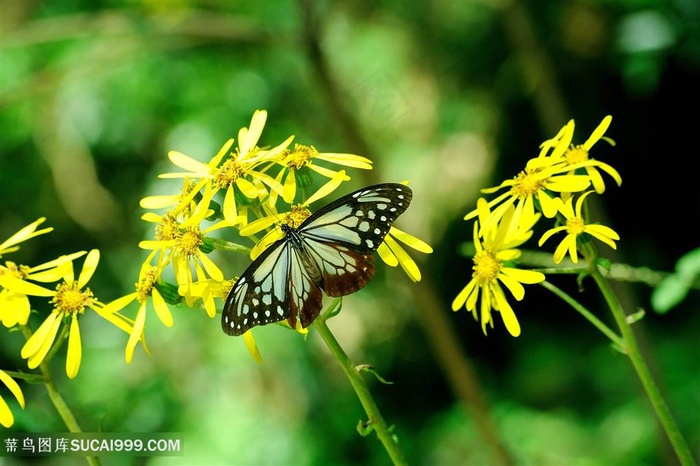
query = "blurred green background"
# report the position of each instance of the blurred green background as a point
(451, 95)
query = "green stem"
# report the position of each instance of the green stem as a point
(376, 421)
(617, 341)
(223, 245)
(631, 348)
(26, 376)
(55, 396)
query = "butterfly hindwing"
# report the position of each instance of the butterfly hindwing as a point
(331, 250)
(343, 271)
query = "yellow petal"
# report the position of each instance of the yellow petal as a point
(514, 286)
(136, 333)
(210, 266)
(13, 386)
(119, 303)
(252, 347)
(214, 162)
(23, 235)
(159, 202)
(461, 298)
(597, 133)
(38, 345)
(327, 188)
(16, 285)
(89, 267)
(247, 188)
(187, 163)
(507, 314)
(348, 160)
(6, 417)
(256, 226)
(410, 240)
(14, 308)
(387, 256)
(74, 349)
(290, 187)
(162, 309)
(248, 138)
(407, 264)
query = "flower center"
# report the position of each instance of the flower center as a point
(228, 173)
(486, 267)
(18, 271)
(574, 226)
(190, 241)
(297, 215)
(70, 300)
(301, 156)
(168, 229)
(146, 284)
(526, 184)
(576, 154)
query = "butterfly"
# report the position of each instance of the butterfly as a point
(330, 251)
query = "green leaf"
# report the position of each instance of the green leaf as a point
(668, 294)
(604, 263)
(688, 266)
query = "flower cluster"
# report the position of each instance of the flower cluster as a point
(553, 185)
(69, 298)
(244, 190)
(241, 192)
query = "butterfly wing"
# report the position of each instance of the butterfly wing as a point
(335, 243)
(276, 286)
(342, 236)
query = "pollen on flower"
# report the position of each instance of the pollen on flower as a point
(146, 284)
(17, 271)
(575, 226)
(297, 215)
(69, 299)
(168, 228)
(526, 184)
(486, 267)
(300, 156)
(190, 241)
(228, 173)
(576, 154)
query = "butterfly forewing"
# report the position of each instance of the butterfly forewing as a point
(359, 220)
(261, 295)
(331, 250)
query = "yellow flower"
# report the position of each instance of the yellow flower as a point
(69, 300)
(575, 226)
(182, 239)
(242, 171)
(578, 155)
(183, 200)
(533, 183)
(145, 288)
(14, 306)
(301, 157)
(495, 248)
(28, 232)
(6, 417)
(295, 217)
(393, 254)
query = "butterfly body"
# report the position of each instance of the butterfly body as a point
(330, 251)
